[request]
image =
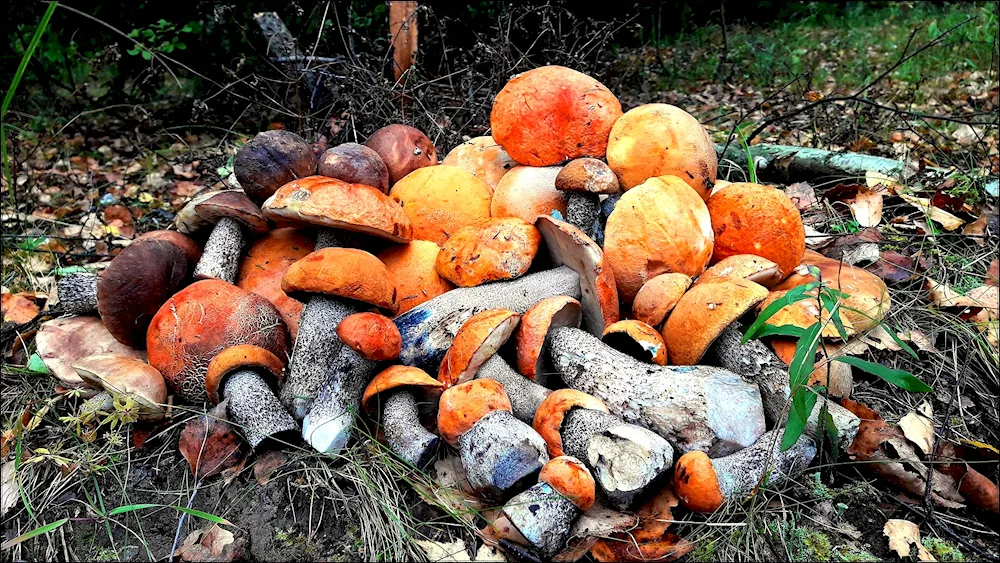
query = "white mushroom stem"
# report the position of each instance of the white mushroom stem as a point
(582, 211)
(543, 517)
(429, 328)
(525, 395)
(221, 257)
(501, 455)
(756, 363)
(331, 416)
(763, 463)
(625, 459)
(694, 407)
(254, 408)
(403, 431)
(78, 293)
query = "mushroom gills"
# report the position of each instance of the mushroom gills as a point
(253, 407)
(403, 431)
(543, 517)
(525, 395)
(220, 258)
(330, 418)
(78, 293)
(501, 455)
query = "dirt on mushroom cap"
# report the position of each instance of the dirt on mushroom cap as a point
(502, 249)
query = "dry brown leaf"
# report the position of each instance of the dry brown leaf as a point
(19, 308)
(450, 473)
(266, 465)
(875, 179)
(919, 339)
(802, 195)
(867, 207)
(879, 338)
(669, 548)
(948, 221)
(977, 229)
(211, 543)
(993, 273)
(600, 521)
(967, 134)
(210, 444)
(918, 427)
(903, 535)
(984, 296)
(655, 516)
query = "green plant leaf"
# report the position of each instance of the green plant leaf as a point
(792, 296)
(805, 357)
(19, 73)
(803, 402)
(899, 378)
(782, 330)
(36, 532)
(832, 306)
(36, 365)
(190, 511)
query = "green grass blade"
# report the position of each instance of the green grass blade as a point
(793, 295)
(899, 378)
(189, 511)
(805, 357)
(28, 53)
(832, 306)
(782, 330)
(36, 532)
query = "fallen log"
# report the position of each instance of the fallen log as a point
(786, 164)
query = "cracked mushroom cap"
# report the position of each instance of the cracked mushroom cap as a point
(637, 339)
(319, 201)
(122, 375)
(272, 159)
(200, 321)
(662, 140)
(552, 114)
(703, 313)
(373, 336)
(413, 267)
(242, 357)
(659, 226)
(355, 164)
(527, 192)
(343, 272)
(208, 208)
(569, 246)
(533, 332)
(185, 243)
(396, 377)
(744, 266)
(403, 149)
(587, 175)
(759, 220)
(463, 405)
(440, 200)
(696, 483)
(266, 262)
(658, 296)
(502, 249)
(476, 341)
(136, 283)
(570, 478)
(551, 412)
(483, 157)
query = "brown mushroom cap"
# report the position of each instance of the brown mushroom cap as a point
(61, 342)
(344, 272)
(703, 313)
(185, 243)
(373, 336)
(272, 159)
(659, 226)
(533, 332)
(744, 266)
(209, 208)
(570, 478)
(696, 483)
(527, 192)
(319, 201)
(587, 175)
(136, 283)
(483, 157)
(835, 376)
(395, 377)
(476, 341)
(440, 200)
(658, 296)
(403, 149)
(551, 412)
(240, 357)
(266, 262)
(463, 405)
(502, 249)
(412, 266)
(355, 164)
(123, 375)
(662, 140)
(637, 339)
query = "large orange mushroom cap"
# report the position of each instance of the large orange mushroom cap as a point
(344, 272)
(483, 157)
(502, 249)
(373, 336)
(243, 356)
(657, 227)
(637, 339)
(744, 266)
(395, 377)
(662, 140)
(266, 262)
(759, 220)
(440, 200)
(552, 114)
(533, 332)
(463, 405)
(657, 297)
(528, 192)
(570, 477)
(696, 483)
(200, 321)
(551, 412)
(412, 265)
(476, 341)
(403, 149)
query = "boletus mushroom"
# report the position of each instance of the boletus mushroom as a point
(483, 157)
(403, 149)
(440, 200)
(355, 164)
(584, 180)
(272, 159)
(265, 264)
(412, 266)
(637, 339)
(658, 296)
(395, 388)
(532, 334)
(371, 335)
(527, 192)
(233, 216)
(122, 376)
(500, 250)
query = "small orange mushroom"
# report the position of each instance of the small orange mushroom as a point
(572, 479)
(550, 414)
(637, 339)
(658, 296)
(477, 340)
(400, 421)
(483, 157)
(527, 192)
(462, 406)
(502, 249)
(744, 266)
(373, 336)
(532, 335)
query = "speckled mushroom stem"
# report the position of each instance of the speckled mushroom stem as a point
(429, 328)
(220, 258)
(583, 210)
(78, 293)
(625, 459)
(525, 395)
(403, 432)
(501, 455)
(254, 407)
(327, 425)
(694, 407)
(543, 517)
(101, 402)
(756, 363)
(762, 463)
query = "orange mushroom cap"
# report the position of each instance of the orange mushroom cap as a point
(244, 356)
(476, 341)
(551, 114)
(403, 149)
(533, 333)
(658, 296)
(696, 483)
(744, 266)
(440, 200)
(570, 478)
(483, 157)
(373, 336)
(528, 192)
(463, 405)
(412, 266)
(551, 412)
(502, 249)
(636, 339)
(264, 264)
(395, 377)
(343, 272)
(759, 220)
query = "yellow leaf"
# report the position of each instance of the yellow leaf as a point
(904, 534)
(918, 427)
(936, 214)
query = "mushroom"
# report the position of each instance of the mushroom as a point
(527, 192)
(705, 484)
(403, 149)
(744, 266)
(502, 249)
(399, 419)
(837, 377)
(483, 157)
(525, 395)
(412, 265)
(501, 455)
(625, 459)
(233, 216)
(247, 377)
(371, 335)
(585, 180)
(265, 263)
(477, 340)
(440, 200)
(637, 339)
(658, 296)
(532, 334)
(272, 159)
(62, 342)
(117, 375)
(355, 164)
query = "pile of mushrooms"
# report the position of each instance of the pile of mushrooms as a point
(466, 306)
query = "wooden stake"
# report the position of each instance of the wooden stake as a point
(403, 32)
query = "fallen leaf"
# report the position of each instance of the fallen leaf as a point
(993, 273)
(816, 239)
(967, 134)
(450, 473)
(61, 342)
(211, 543)
(802, 195)
(984, 296)
(947, 220)
(867, 207)
(9, 492)
(210, 444)
(974, 486)
(669, 548)
(440, 551)
(655, 516)
(600, 521)
(949, 203)
(903, 535)
(921, 340)
(845, 245)
(19, 308)
(918, 427)
(879, 338)
(893, 267)
(185, 188)
(874, 179)
(119, 222)
(267, 464)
